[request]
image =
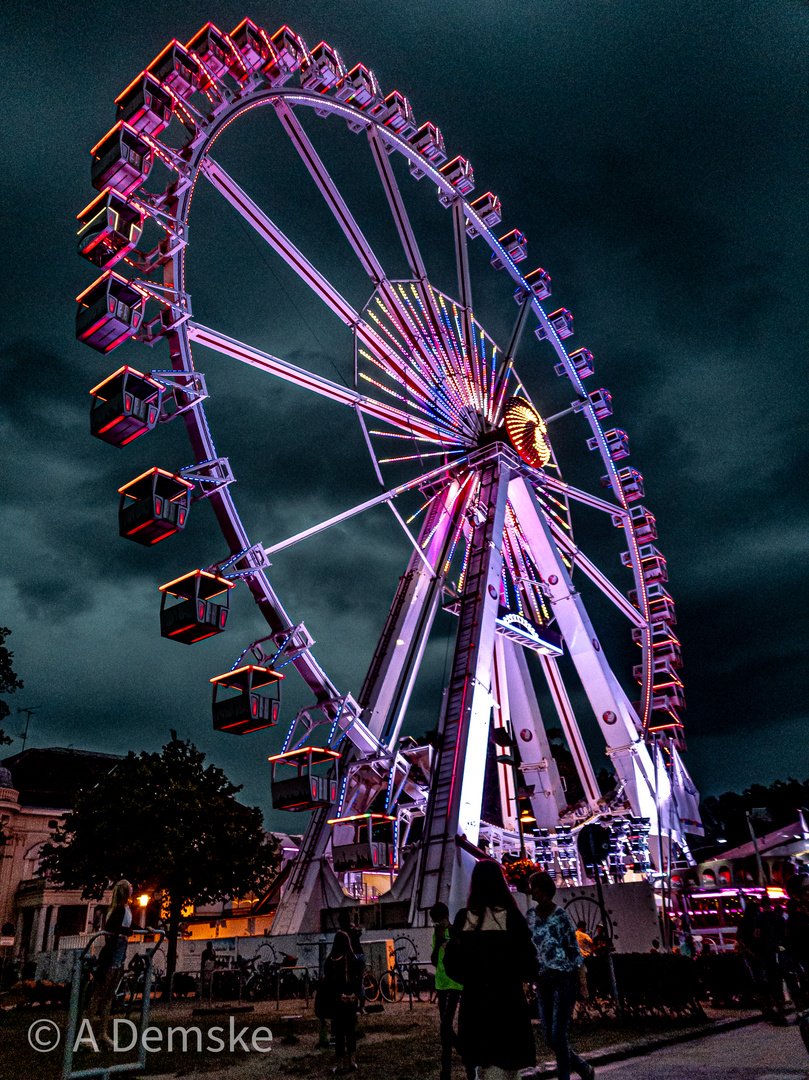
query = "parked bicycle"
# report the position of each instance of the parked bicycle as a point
(130, 986)
(271, 977)
(407, 978)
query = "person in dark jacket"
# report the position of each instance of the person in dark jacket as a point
(490, 953)
(769, 932)
(344, 921)
(797, 939)
(340, 999)
(559, 961)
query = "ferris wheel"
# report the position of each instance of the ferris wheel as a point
(439, 401)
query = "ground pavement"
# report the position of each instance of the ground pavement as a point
(757, 1052)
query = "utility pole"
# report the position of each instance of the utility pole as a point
(761, 879)
(594, 848)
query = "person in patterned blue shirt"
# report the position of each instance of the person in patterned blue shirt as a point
(559, 961)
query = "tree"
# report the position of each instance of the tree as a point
(8, 680)
(170, 826)
(725, 815)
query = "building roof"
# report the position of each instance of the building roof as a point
(51, 778)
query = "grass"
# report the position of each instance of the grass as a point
(398, 1044)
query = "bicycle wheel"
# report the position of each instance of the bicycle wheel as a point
(390, 986)
(370, 986)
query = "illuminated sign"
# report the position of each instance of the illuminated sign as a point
(527, 633)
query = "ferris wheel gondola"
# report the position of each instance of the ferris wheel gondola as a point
(495, 527)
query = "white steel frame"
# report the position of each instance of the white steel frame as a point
(497, 679)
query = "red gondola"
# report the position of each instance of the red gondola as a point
(307, 790)
(247, 710)
(145, 105)
(153, 506)
(110, 229)
(110, 311)
(125, 405)
(195, 616)
(121, 160)
(363, 842)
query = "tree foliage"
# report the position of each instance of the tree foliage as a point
(724, 815)
(169, 825)
(8, 680)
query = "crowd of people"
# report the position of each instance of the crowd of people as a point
(774, 943)
(487, 955)
(482, 960)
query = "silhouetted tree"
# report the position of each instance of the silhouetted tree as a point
(724, 815)
(8, 680)
(170, 826)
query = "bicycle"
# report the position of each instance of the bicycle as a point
(131, 983)
(406, 977)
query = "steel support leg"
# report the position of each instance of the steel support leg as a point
(457, 784)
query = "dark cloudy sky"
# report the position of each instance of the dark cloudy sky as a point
(654, 155)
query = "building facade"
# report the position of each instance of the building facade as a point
(37, 789)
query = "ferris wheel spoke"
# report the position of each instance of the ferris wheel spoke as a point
(336, 203)
(406, 234)
(339, 208)
(596, 576)
(394, 197)
(320, 285)
(465, 295)
(238, 350)
(377, 500)
(585, 497)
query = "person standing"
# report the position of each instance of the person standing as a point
(341, 996)
(584, 941)
(797, 939)
(207, 963)
(769, 931)
(345, 923)
(111, 959)
(559, 961)
(586, 948)
(490, 953)
(447, 990)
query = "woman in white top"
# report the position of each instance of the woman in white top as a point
(113, 955)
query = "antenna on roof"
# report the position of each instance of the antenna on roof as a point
(28, 714)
